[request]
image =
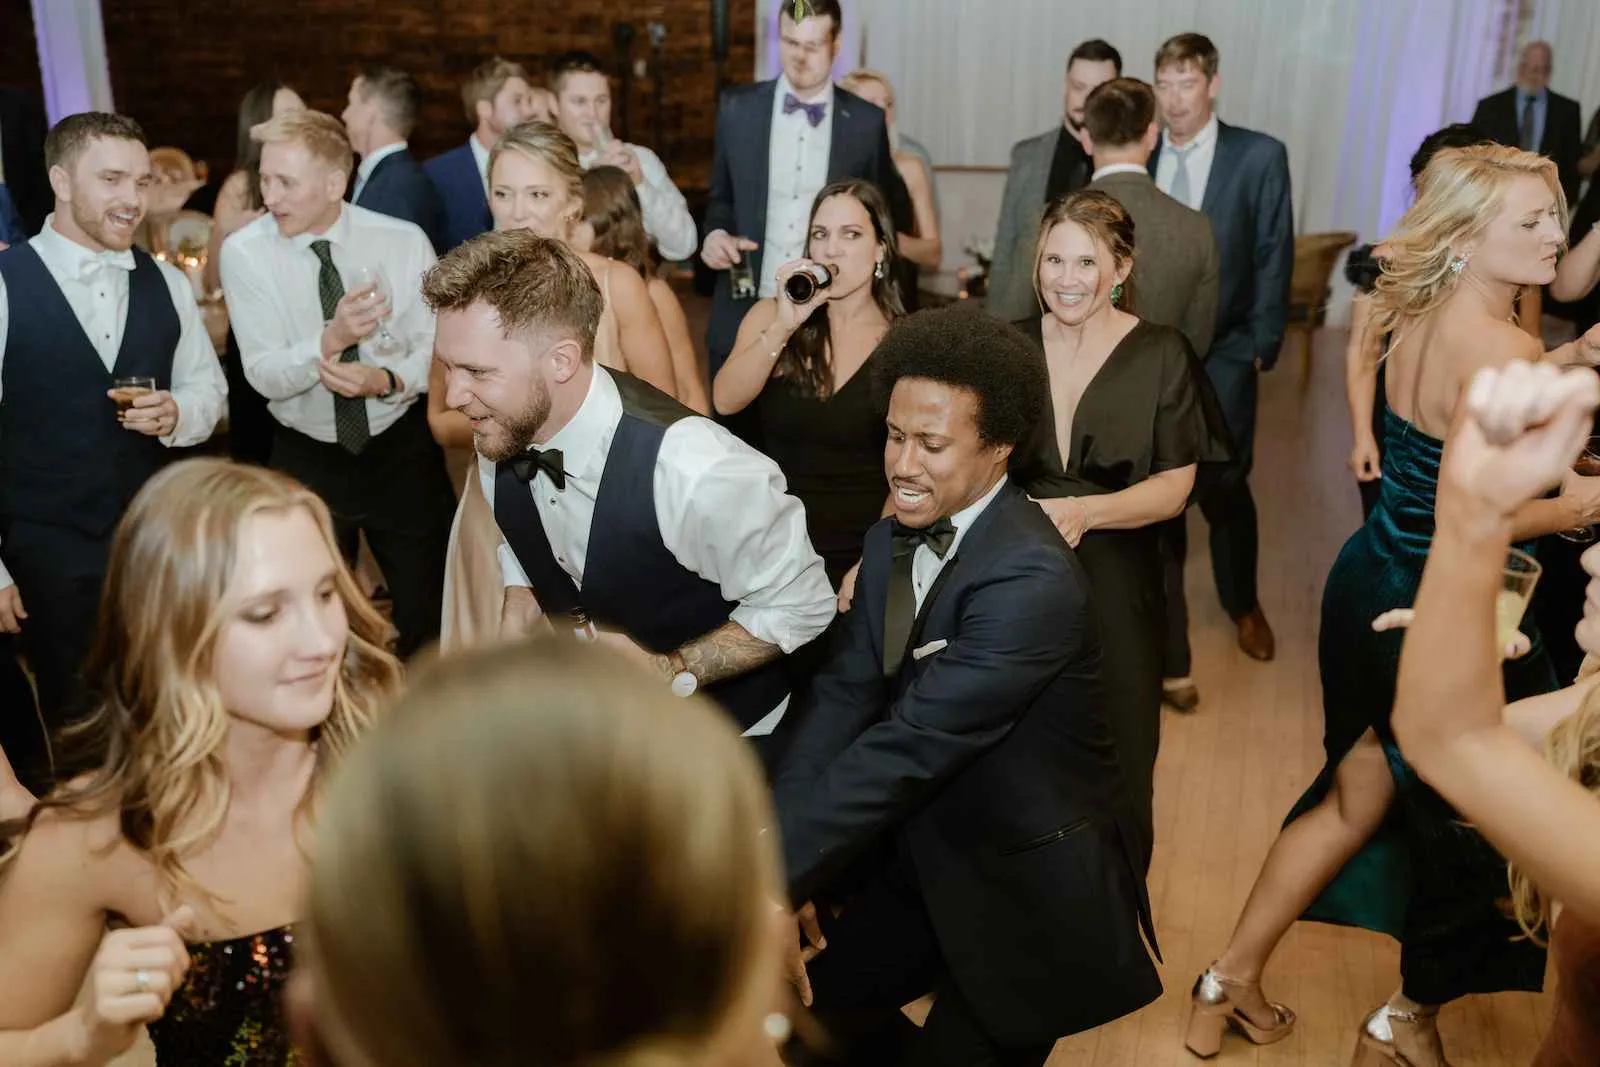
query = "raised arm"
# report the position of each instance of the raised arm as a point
(1449, 707)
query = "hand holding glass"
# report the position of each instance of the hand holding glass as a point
(1588, 465)
(371, 279)
(125, 390)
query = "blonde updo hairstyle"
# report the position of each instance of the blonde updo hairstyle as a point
(543, 858)
(546, 144)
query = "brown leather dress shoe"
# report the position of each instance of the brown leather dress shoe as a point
(1180, 694)
(1255, 636)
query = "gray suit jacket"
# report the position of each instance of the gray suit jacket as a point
(1011, 295)
(1177, 268)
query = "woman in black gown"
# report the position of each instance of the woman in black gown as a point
(802, 365)
(236, 663)
(1130, 421)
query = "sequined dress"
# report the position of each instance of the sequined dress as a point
(227, 1013)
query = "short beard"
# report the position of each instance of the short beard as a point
(94, 227)
(520, 429)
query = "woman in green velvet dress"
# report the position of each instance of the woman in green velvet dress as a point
(1369, 845)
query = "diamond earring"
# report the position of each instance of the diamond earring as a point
(1458, 264)
(877, 271)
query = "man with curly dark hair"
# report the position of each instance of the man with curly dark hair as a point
(953, 769)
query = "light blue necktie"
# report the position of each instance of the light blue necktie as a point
(1180, 178)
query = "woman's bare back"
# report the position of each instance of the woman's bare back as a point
(1438, 355)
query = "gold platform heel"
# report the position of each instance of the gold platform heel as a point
(1376, 1046)
(1212, 1010)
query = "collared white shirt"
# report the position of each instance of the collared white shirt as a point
(271, 285)
(369, 163)
(95, 285)
(926, 563)
(797, 168)
(480, 155)
(1198, 162)
(722, 511)
(666, 212)
(1119, 168)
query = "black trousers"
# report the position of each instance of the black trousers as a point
(251, 427)
(882, 954)
(396, 492)
(1230, 510)
(22, 735)
(59, 573)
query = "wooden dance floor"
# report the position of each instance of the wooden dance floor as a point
(1229, 771)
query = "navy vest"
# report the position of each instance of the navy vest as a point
(64, 458)
(631, 582)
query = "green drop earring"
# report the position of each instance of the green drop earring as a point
(1116, 294)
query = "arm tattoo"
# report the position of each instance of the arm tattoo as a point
(726, 652)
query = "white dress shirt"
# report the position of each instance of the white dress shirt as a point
(926, 563)
(666, 212)
(95, 285)
(1198, 161)
(480, 154)
(722, 511)
(369, 163)
(271, 285)
(797, 168)
(1119, 168)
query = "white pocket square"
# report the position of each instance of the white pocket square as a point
(929, 649)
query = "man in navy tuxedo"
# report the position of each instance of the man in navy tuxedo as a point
(496, 98)
(951, 804)
(1240, 180)
(778, 143)
(379, 115)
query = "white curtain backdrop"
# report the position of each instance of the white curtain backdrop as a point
(72, 57)
(1350, 87)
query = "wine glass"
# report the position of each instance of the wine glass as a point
(371, 279)
(1588, 465)
(1518, 579)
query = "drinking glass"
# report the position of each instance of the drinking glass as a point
(1518, 579)
(125, 390)
(1587, 464)
(372, 279)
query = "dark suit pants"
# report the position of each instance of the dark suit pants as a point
(22, 736)
(882, 954)
(251, 427)
(59, 572)
(398, 493)
(1229, 509)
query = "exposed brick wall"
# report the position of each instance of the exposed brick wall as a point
(19, 53)
(181, 72)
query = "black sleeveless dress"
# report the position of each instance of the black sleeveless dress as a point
(1150, 408)
(227, 1010)
(830, 450)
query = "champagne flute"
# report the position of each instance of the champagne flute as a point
(371, 279)
(1520, 576)
(1588, 465)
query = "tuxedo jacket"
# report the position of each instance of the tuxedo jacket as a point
(988, 760)
(1496, 120)
(398, 188)
(737, 201)
(22, 130)
(466, 203)
(1247, 201)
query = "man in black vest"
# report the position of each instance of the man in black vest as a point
(623, 512)
(81, 308)
(952, 780)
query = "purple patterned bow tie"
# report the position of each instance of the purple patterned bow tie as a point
(814, 112)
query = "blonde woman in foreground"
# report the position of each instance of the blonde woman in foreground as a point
(1526, 425)
(236, 662)
(544, 858)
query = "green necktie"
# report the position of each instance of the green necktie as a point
(349, 413)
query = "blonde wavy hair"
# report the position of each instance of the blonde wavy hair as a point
(1573, 748)
(546, 144)
(541, 857)
(1458, 196)
(153, 748)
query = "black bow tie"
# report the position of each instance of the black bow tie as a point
(531, 462)
(904, 540)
